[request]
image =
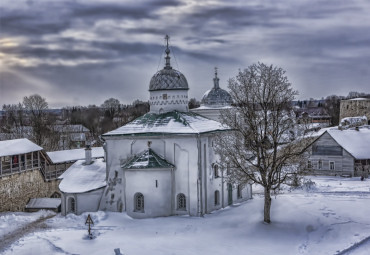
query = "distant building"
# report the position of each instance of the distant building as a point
(341, 152)
(162, 163)
(355, 107)
(213, 101)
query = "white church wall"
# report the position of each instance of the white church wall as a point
(182, 175)
(84, 202)
(89, 201)
(118, 149)
(168, 100)
(155, 185)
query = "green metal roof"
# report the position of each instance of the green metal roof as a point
(169, 123)
(147, 159)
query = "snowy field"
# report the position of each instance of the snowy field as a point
(333, 217)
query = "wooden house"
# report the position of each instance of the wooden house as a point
(341, 152)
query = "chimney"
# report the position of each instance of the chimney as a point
(88, 155)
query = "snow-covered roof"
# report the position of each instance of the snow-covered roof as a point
(80, 178)
(357, 143)
(17, 146)
(43, 203)
(348, 121)
(73, 155)
(360, 99)
(212, 107)
(169, 123)
(147, 159)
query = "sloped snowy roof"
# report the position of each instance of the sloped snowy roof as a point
(147, 159)
(73, 155)
(43, 203)
(170, 123)
(17, 146)
(357, 143)
(80, 178)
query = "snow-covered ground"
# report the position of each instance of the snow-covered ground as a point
(333, 217)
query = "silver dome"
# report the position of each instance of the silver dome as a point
(216, 96)
(168, 78)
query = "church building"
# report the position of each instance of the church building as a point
(163, 163)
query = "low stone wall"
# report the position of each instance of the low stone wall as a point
(17, 189)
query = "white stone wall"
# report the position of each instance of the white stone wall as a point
(168, 100)
(84, 202)
(156, 187)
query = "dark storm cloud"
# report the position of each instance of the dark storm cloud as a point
(30, 25)
(80, 44)
(122, 10)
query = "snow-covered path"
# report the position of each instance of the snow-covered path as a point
(320, 221)
(24, 229)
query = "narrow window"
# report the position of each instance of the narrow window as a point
(112, 197)
(217, 197)
(156, 183)
(239, 191)
(164, 96)
(181, 202)
(139, 202)
(215, 169)
(115, 174)
(332, 165)
(72, 205)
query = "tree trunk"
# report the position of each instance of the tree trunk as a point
(267, 207)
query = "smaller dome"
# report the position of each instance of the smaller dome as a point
(168, 79)
(216, 96)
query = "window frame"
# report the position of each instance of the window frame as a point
(330, 165)
(181, 202)
(139, 202)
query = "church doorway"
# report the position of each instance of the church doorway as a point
(230, 193)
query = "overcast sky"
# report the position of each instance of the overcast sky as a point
(81, 52)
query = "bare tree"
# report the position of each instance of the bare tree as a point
(36, 107)
(260, 147)
(332, 107)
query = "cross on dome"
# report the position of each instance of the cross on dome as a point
(216, 80)
(168, 64)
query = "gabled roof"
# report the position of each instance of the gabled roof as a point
(357, 143)
(17, 146)
(73, 155)
(168, 123)
(147, 159)
(80, 178)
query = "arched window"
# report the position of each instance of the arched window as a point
(139, 202)
(72, 205)
(181, 202)
(215, 170)
(217, 197)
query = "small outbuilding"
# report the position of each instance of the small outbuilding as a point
(82, 185)
(44, 203)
